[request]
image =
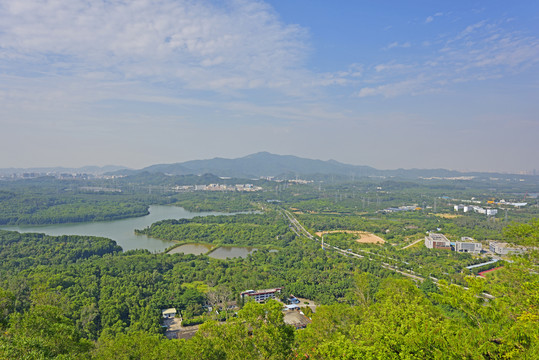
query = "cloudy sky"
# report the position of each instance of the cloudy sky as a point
(391, 84)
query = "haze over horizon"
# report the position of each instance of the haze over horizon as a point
(386, 84)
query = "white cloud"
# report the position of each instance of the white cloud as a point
(391, 67)
(399, 45)
(469, 30)
(407, 87)
(342, 78)
(237, 45)
(430, 18)
(480, 51)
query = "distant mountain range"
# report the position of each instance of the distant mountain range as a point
(260, 164)
(264, 164)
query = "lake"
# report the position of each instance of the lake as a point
(195, 249)
(121, 231)
(231, 252)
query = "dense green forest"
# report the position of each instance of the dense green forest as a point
(50, 201)
(102, 303)
(47, 200)
(268, 229)
(80, 297)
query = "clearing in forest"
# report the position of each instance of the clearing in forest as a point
(364, 237)
(448, 216)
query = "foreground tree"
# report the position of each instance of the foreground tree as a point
(257, 333)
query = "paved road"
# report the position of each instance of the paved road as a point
(296, 225)
(299, 229)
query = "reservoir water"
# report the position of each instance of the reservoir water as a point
(195, 249)
(121, 231)
(224, 252)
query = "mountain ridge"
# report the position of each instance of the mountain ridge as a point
(265, 164)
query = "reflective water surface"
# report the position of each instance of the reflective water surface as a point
(121, 231)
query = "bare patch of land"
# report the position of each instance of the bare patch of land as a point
(364, 237)
(307, 303)
(448, 216)
(173, 326)
(175, 330)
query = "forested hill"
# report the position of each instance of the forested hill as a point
(90, 301)
(24, 251)
(264, 164)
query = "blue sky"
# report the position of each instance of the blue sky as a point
(391, 84)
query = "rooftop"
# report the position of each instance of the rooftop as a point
(264, 291)
(169, 311)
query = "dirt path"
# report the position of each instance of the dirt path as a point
(412, 244)
(175, 330)
(364, 237)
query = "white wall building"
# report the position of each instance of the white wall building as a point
(260, 295)
(169, 313)
(437, 241)
(502, 248)
(492, 212)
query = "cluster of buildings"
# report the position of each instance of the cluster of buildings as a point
(400, 208)
(293, 181)
(489, 211)
(60, 176)
(468, 245)
(292, 313)
(439, 241)
(300, 181)
(98, 189)
(218, 187)
(477, 209)
(515, 204)
(448, 178)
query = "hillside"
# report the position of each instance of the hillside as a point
(264, 164)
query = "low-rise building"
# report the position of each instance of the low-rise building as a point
(260, 295)
(492, 212)
(502, 248)
(467, 244)
(168, 313)
(437, 241)
(480, 210)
